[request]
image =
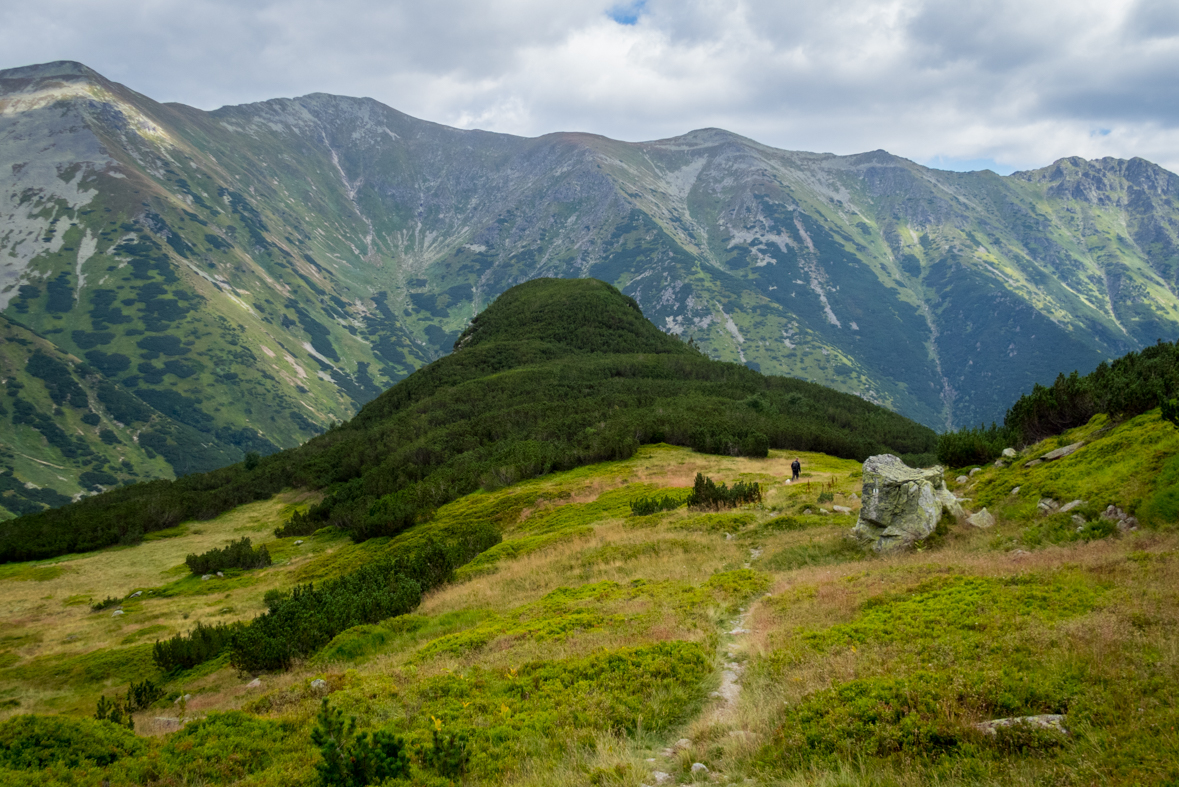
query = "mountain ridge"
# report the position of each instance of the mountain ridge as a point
(328, 246)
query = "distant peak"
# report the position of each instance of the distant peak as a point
(58, 68)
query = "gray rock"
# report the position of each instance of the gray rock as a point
(1015, 491)
(136, 594)
(319, 685)
(1128, 524)
(1079, 521)
(1064, 509)
(1061, 453)
(841, 509)
(661, 777)
(961, 479)
(205, 577)
(1047, 506)
(1010, 453)
(116, 613)
(982, 519)
(220, 575)
(1033, 463)
(300, 541)
(824, 511)
(975, 471)
(1113, 513)
(699, 767)
(807, 512)
(901, 505)
(683, 743)
(1048, 721)
(255, 683)
(1000, 463)
(854, 496)
(186, 698)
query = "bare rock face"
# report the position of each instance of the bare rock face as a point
(901, 505)
(1048, 721)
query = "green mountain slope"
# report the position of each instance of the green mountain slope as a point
(556, 374)
(259, 272)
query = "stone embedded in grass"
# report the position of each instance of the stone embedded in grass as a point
(841, 509)
(982, 519)
(1047, 506)
(699, 767)
(1064, 509)
(1047, 721)
(901, 505)
(961, 479)
(1010, 453)
(1061, 453)
(1015, 491)
(116, 613)
(1034, 462)
(975, 471)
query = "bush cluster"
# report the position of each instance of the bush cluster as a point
(351, 760)
(706, 494)
(185, 651)
(238, 554)
(1131, 385)
(653, 505)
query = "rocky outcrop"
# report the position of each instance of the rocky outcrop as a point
(1047, 721)
(901, 505)
(982, 519)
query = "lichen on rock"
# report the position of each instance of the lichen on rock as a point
(901, 505)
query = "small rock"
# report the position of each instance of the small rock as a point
(1033, 463)
(1010, 453)
(1047, 505)
(255, 683)
(975, 471)
(842, 509)
(1015, 491)
(136, 594)
(1019, 553)
(824, 511)
(961, 479)
(220, 575)
(319, 685)
(650, 759)
(1000, 463)
(1128, 524)
(854, 496)
(186, 698)
(714, 694)
(982, 519)
(116, 613)
(807, 512)
(1048, 721)
(683, 743)
(699, 767)
(1079, 521)
(205, 577)
(300, 541)
(1060, 453)
(1064, 509)
(661, 777)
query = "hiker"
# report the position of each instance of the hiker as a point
(796, 468)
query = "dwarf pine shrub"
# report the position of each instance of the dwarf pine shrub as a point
(645, 506)
(706, 494)
(237, 554)
(351, 760)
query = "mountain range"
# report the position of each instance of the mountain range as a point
(179, 288)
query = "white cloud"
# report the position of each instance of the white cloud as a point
(1007, 81)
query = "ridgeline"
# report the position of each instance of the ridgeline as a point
(555, 374)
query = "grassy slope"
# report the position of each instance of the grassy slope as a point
(552, 645)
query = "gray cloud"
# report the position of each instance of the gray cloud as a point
(1004, 81)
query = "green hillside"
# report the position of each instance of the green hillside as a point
(257, 273)
(555, 374)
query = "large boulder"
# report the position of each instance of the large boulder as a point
(901, 505)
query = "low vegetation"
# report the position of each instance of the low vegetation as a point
(554, 375)
(238, 554)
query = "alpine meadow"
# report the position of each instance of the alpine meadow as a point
(342, 448)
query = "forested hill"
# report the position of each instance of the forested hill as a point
(556, 373)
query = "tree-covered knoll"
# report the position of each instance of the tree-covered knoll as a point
(1131, 385)
(555, 374)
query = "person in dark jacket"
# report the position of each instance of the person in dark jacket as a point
(796, 468)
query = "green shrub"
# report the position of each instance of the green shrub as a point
(222, 748)
(645, 506)
(298, 525)
(185, 651)
(36, 742)
(706, 494)
(351, 760)
(116, 711)
(106, 603)
(237, 554)
(447, 754)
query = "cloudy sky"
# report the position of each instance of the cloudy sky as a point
(958, 84)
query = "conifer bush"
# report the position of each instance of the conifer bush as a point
(706, 494)
(351, 760)
(237, 554)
